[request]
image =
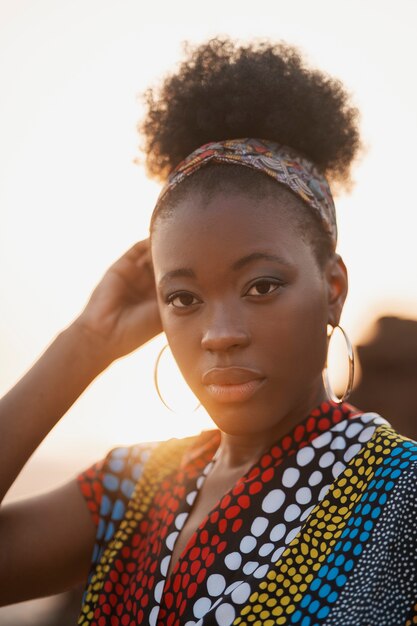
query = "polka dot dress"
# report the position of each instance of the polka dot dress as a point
(319, 531)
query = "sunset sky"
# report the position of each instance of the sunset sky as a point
(72, 200)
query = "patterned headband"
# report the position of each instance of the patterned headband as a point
(280, 162)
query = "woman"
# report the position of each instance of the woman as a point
(297, 509)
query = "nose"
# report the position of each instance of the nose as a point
(224, 331)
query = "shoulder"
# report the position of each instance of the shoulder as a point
(393, 458)
(126, 462)
(119, 471)
(391, 442)
(110, 485)
(381, 455)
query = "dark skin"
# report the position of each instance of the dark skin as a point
(265, 314)
(238, 286)
(52, 552)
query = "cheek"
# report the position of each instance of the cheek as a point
(288, 339)
(296, 338)
(182, 341)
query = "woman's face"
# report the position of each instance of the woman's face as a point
(245, 308)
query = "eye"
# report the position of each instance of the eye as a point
(263, 287)
(182, 300)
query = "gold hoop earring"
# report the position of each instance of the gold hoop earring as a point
(156, 381)
(351, 356)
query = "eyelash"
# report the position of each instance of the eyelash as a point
(170, 299)
(269, 281)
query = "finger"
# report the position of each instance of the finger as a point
(143, 259)
(137, 250)
(135, 258)
(138, 276)
(143, 263)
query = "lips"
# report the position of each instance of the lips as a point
(230, 376)
(232, 384)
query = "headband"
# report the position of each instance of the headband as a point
(279, 162)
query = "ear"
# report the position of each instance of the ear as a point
(337, 288)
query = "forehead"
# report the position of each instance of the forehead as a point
(220, 229)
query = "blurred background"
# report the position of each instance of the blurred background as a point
(72, 200)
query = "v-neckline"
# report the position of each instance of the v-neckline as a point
(192, 496)
(283, 443)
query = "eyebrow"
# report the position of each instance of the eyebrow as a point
(180, 273)
(246, 260)
(258, 256)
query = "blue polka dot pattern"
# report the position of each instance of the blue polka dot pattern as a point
(115, 474)
(352, 554)
(319, 536)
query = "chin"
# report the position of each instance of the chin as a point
(244, 419)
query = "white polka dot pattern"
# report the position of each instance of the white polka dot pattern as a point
(250, 530)
(273, 501)
(288, 505)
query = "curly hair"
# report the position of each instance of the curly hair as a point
(263, 90)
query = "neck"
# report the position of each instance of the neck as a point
(237, 451)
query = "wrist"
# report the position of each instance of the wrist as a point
(90, 348)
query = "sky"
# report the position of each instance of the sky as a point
(72, 198)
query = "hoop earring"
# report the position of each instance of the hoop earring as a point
(351, 356)
(156, 381)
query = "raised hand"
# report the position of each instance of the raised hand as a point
(121, 315)
(122, 311)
